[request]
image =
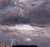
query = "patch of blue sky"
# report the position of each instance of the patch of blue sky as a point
(2, 7)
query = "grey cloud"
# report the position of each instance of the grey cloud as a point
(11, 15)
(39, 15)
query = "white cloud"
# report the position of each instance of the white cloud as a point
(27, 30)
(27, 39)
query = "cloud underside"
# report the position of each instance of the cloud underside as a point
(36, 15)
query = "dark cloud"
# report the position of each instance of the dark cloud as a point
(14, 20)
(39, 15)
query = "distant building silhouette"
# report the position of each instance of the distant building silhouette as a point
(24, 46)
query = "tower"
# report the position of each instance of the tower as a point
(11, 42)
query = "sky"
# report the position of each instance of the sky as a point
(26, 21)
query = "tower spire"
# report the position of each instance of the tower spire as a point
(11, 42)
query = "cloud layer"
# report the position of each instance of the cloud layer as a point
(34, 35)
(30, 13)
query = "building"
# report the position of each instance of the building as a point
(2, 45)
(24, 46)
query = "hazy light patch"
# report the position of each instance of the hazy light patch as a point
(20, 27)
(27, 39)
(23, 30)
(21, 0)
(25, 27)
(16, 34)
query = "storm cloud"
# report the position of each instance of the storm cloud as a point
(28, 22)
(34, 15)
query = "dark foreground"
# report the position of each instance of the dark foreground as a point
(24, 46)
